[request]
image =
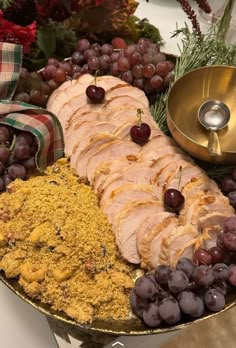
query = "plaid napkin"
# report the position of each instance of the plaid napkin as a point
(38, 121)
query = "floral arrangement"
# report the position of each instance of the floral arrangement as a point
(48, 28)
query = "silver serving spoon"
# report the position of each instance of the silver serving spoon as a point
(214, 115)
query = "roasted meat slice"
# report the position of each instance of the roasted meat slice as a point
(128, 222)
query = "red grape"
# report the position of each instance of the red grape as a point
(83, 45)
(123, 64)
(17, 171)
(118, 43)
(107, 49)
(89, 54)
(59, 75)
(148, 70)
(37, 96)
(137, 70)
(135, 58)
(162, 68)
(4, 154)
(202, 257)
(228, 184)
(4, 135)
(217, 254)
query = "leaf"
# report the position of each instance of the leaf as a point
(5, 3)
(46, 40)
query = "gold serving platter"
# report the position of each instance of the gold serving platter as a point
(185, 98)
(132, 326)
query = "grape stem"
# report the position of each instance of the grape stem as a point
(13, 143)
(139, 115)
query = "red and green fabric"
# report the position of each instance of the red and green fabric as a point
(38, 121)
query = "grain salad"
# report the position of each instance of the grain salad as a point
(57, 241)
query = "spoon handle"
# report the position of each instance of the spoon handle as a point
(214, 144)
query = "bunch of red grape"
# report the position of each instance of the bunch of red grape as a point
(228, 187)
(141, 64)
(17, 155)
(166, 294)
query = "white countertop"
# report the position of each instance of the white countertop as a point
(21, 326)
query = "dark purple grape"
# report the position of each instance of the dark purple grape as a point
(232, 275)
(220, 271)
(22, 151)
(25, 137)
(229, 224)
(220, 241)
(234, 174)
(169, 310)
(83, 45)
(7, 179)
(145, 287)
(217, 254)
(202, 257)
(191, 304)
(17, 171)
(4, 135)
(29, 163)
(137, 303)
(173, 200)
(220, 285)
(151, 316)
(141, 133)
(232, 198)
(178, 281)
(229, 239)
(4, 154)
(77, 58)
(228, 184)
(2, 184)
(186, 265)
(95, 94)
(1, 168)
(214, 300)
(162, 274)
(203, 275)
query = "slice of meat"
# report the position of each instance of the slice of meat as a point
(128, 222)
(179, 242)
(93, 144)
(125, 194)
(136, 174)
(116, 148)
(204, 183)
(104, 170)
(162, 148)
(164, 226)
(60, 95)
(184, 173)
(148, 225)
(83, 132)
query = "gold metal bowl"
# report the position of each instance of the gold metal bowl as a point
(187, 95)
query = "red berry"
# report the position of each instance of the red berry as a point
(141, 133)
(95, 94)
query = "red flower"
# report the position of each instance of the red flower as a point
(52, 9)
(11, 32)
